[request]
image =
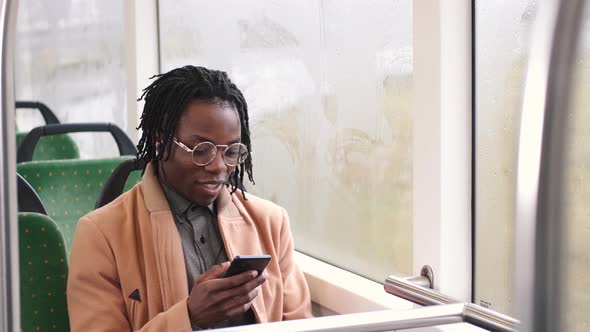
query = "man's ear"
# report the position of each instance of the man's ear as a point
(157, 144)
(158, 137)
(158, 141)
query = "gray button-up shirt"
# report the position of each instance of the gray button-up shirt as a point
(199, 232)
(202, 245)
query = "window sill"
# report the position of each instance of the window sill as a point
(344, 292)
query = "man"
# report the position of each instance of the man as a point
(152, 260)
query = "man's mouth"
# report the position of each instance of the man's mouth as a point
(212, 186)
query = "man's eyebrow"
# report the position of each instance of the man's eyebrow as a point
(203, 139)
(200, 138)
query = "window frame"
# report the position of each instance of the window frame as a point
(443, 57)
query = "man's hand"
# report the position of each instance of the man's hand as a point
(213, 300)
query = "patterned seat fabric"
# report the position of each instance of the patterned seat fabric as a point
(53, 147)
(43, 274)
(69, 188)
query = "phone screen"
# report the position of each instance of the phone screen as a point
(245, 263)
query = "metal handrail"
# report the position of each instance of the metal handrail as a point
(439, 310)
(388, 320)
(374, 321)
(473, 314)
(407, 290)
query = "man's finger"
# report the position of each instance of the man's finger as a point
(239, 309)
(230, 283)
(214, 272)
(237, 285)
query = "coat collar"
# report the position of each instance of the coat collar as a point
(155, 201)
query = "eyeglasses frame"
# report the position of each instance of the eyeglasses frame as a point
(224, 146)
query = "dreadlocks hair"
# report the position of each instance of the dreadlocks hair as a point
(167, 97)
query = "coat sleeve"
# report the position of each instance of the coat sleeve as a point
(296, 297)
(95, 298)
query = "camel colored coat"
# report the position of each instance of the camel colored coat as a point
(133, 244)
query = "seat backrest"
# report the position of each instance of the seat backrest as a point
(43, 274)
(53, 147)
(69, 188)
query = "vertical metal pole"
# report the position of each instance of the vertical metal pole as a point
(541, 158)
(9, 271)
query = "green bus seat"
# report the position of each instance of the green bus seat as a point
(43, 274)
(69, 189)
(53, 147)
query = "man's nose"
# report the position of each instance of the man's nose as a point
(217, 165)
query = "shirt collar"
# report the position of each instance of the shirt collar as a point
(178, 203)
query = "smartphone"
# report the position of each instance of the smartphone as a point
(245, 263)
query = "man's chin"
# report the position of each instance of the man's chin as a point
(204, 200)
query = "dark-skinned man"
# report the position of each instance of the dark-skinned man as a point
(152, 260)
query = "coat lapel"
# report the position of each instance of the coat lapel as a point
(240, 238)
(169, 258)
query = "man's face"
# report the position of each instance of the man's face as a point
(201, 121)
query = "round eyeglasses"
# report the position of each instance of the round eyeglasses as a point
(204, 153)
